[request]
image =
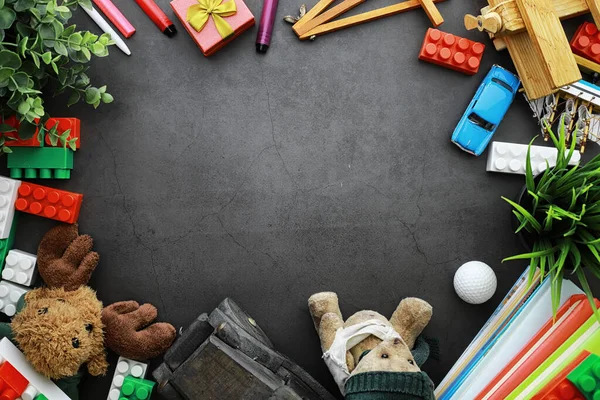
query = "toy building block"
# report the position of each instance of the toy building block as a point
(136, 389)
(6, 244)
(586, 42)
(42, 385)
(20, 267)
(125, 367)
(560, 388)
(586, 377)
(451, 51)
(10, 293)
(74, 124)
(18, 142)
(48, 202)
(40, 162)
(8, 196)
(511, 158)
(12, 383)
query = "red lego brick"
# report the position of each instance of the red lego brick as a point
(63, 124)
(560, 388)
(12, 383)
(586, 42)
(49, 202)
(32, 142)
(451, 51)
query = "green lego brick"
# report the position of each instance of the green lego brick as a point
(586, 377)
(7, 244)
(41, 397)
(40, 162)
(136, 389)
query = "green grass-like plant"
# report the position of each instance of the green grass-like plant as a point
(560, 213)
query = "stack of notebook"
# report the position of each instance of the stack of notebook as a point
(522, 352)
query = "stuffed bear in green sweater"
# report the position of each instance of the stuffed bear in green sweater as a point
(63, 327)
(371, 357)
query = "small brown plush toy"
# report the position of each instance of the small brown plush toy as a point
(368, 354)
(63, 326)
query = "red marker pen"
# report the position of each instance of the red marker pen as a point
(157, 16)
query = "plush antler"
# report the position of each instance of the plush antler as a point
(129, 330)
(65, 258)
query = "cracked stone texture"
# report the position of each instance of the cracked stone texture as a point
(320, 166)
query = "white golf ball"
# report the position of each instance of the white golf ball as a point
(475, 282)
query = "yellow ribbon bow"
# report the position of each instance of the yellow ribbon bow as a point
(198, 14)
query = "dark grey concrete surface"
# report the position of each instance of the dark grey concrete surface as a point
(320, 166)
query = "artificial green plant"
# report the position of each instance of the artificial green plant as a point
(560, 213)
(38, 51)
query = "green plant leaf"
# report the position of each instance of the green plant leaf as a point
(6, 149)
(1, 3)
(62, 9)
(26, 130)
(54, 67)
(7, 17)
(73, 144)
(36, 60)
(92, 95)
(107, 98)
(531, 255)
(534, 223)
(24, 5)
(73, 98)
(86, 3)
(588, 292)
(60, 48)
(24, 108)
(74, 41)
(86, 53)
(4, 128)
(529, 182)
(9, 59)
(47, 57)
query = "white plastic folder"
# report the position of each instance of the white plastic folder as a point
(525, 325)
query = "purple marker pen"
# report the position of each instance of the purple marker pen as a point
(265, 28)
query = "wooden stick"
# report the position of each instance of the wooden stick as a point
(594, 6)
(587, 65)
(364, 17)
(432, 12)
(327, 16)
(316, 10)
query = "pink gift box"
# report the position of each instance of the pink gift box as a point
(208, 39)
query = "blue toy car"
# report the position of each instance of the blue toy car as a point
(489, 105)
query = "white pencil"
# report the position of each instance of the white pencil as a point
(101, 22)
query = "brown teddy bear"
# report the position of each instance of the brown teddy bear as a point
(370, 356)
(63, 326)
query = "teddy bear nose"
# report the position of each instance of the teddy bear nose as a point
(75, 342)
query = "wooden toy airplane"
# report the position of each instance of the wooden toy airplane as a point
(532, 32)
(318, 22)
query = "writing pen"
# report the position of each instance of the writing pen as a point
(116, 17)
(157, 16)
(265, 28)
(106, 28)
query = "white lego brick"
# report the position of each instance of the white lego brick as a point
(19, 267)
(125, 368)
(8, 197)
(10, 293)
(30, 393)
(511, 158)
(43, 385)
